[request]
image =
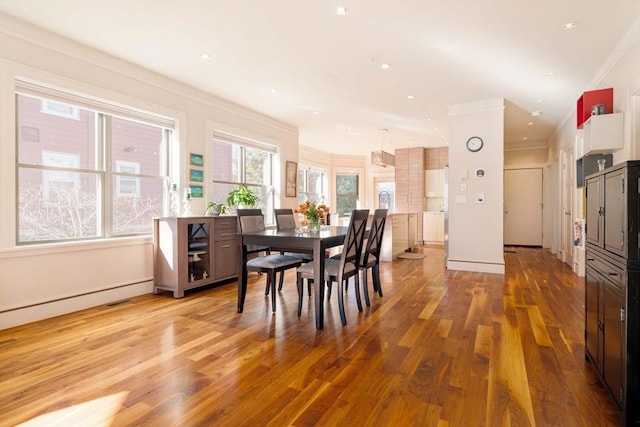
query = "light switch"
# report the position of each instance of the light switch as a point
(463, 186)
(479, 197)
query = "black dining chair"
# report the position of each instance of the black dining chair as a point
(250, 221)
(340, 270)
(371, 254)
(285, 220)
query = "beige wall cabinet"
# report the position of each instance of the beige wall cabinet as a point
(189, 252)
(409, 180)
(434, 183)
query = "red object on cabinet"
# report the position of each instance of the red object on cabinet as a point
(591, 98)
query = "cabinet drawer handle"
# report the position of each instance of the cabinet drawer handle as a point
(225, 234)
(613, 274)
(591, 259)
(225, 246)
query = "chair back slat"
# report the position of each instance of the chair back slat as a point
(285, 219)
(352, 248)
(250, 220)
(374, 240)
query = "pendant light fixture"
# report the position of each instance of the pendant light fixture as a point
(382, 158)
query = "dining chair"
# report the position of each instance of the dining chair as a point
(340, 270)
(251, 221)
(285, 220)
(370, 258)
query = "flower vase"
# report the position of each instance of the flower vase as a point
(313, 224)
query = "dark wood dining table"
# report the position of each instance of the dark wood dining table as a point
(292, 240)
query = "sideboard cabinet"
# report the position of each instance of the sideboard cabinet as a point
(189, 252)
(612, 288)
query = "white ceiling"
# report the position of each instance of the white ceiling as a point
(442, 52)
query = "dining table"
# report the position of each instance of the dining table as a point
(292, 240)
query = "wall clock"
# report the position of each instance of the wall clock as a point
(474, 144)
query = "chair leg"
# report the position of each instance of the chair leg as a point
(328, 291)
(343, 316)
(272, 275)
(268, 285)
(281, 281)
(375, 274)
(365, 287)
(357, 286)
(300, 286)
(309, 283)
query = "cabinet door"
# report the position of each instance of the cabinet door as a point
(402, 180)
(594, 212)
(613, 339)
(614, 211)
(591, 321)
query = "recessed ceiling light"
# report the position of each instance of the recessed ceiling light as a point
(385, 66)
(539, 101)
(570, 25)
(341, 10)
(428, 119)
(316, 112)
(524, 138)
(204, 56)
(274, 90)
(530, 124)
(536, 113)
(410, 97)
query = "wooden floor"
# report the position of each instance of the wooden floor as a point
(441, 348)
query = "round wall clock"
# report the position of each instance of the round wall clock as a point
(474, 144)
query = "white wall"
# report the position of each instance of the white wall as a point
(41, 281)
(621, 71)
(476, 229)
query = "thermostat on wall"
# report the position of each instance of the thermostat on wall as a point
(480, 173)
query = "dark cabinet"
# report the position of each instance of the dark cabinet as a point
(611, 283)
(189, 252)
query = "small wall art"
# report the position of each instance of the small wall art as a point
(196, 175)
(196, 159)
(291, 179)
(196, 191)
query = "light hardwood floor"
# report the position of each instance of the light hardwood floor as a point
(441, 348)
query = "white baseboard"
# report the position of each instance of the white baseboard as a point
(21, 316)
(481, 267)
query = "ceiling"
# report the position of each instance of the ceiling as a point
(299, 62)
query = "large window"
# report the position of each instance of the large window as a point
(347, 195)
(311, 185)
(84, 172)
(238, 162)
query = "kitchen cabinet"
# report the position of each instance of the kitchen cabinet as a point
(400, 235)
(189, 252)
(436, 158)
(409, 177)
(603, 133)
(434, 183)
(433, 227)
(612, 288)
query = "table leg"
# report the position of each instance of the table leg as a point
(242, 273)
(318, 281)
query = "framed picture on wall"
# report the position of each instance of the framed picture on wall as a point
(196, 175)
(196, 191)
(291, 179)
(196, 159)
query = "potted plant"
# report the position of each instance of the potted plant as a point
(241, 197)
(215, 209)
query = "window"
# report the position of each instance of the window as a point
(347, 197)
(91, 173)
(235, 162)
(311, 184)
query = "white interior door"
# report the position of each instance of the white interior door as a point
(523, 207)
(567, 189)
